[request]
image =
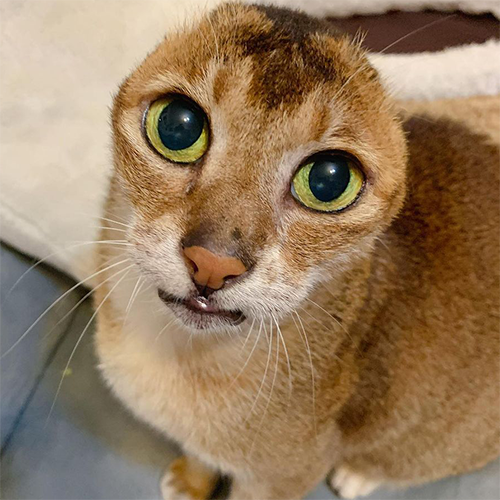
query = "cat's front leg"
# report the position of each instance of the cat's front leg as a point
(187, 478)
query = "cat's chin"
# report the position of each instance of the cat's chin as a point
(199, 313)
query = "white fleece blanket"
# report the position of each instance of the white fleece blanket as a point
(61, 62)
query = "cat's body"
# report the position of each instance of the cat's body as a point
(386, 373)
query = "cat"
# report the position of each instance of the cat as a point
(308, 286)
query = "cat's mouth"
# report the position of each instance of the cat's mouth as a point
(200, 312)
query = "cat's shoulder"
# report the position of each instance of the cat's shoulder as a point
(453, 178)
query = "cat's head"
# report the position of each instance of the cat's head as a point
(258, 153)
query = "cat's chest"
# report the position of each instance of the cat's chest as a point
(201, 412)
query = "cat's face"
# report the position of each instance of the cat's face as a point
(259, 136)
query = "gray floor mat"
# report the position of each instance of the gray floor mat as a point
(22, 311)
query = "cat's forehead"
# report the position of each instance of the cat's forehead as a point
(286, 51)
(281, 55)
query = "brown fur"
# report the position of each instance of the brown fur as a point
(388, 311)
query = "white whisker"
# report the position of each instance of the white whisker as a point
(415, 31)
(367, 64)
(313, 381)
(257, 432)
(110, 228)
(112, 242)
(265, 372)
(56, 302)
(44, 259)
(334, 319)
(115, 222)
(133, 296)
(163, 329)
(250, 355)
(85, 297)
(248, 335)
(126, 270)
(289, 367)
(322, 324)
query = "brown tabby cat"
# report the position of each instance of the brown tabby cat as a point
(307, 302)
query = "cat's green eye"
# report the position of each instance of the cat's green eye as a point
(178, 129)
(328, 182)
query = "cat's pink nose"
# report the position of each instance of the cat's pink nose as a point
(210, 270)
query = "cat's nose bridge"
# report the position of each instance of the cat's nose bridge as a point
(227, 219)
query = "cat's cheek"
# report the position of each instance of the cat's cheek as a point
(272, 288)
(157, 254)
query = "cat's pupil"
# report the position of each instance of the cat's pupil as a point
(329, 178)
(180, 125)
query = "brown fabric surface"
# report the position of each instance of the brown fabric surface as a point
(448, 30)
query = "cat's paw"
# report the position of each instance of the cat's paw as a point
(346, 483)
(184, 480)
